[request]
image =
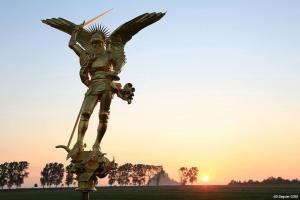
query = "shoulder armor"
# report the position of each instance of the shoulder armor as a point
(86, 59)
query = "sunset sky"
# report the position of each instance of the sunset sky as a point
(217, 87)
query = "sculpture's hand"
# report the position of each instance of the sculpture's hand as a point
(127, 93)
(87, 83)
(79, 27)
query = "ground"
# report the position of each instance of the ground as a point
(159, 193)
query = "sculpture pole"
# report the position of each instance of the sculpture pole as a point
(86, 195)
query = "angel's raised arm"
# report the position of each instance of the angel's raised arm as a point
(73, 42)
(80, 37)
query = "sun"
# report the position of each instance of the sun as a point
(205, 178)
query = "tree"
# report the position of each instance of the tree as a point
(69, 175)
(44, 180)
(139, 174)
(233, 182)
(56, 173)
(192, 174)
(12, 174)
(124, 174)
(21, 173)
(3, 174)
(52, 174)
(183, 175)
(112, 174)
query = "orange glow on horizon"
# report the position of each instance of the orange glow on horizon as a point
(205, 178)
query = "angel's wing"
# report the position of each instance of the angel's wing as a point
(125, 32)
(68, 27)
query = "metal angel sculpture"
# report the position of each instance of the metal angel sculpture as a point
(101, 58)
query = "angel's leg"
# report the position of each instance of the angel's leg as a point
(103, 118)
(88, 106)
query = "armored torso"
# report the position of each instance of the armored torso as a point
(100, 69)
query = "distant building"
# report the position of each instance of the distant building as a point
(162, 178)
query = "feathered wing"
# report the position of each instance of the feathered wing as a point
(125, 32)
(68, 27)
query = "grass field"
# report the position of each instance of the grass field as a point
(158, 193)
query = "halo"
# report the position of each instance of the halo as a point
(96, 28)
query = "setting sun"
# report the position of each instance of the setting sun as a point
(205, 178)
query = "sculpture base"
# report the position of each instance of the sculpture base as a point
(88, 165)
(86, 186)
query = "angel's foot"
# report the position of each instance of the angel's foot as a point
(96, 148)
(77, 148)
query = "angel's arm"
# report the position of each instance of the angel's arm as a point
(73, 43)
(84, 75)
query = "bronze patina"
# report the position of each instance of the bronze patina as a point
(102, 58)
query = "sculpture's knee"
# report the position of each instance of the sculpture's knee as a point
(103, 117)
(85, 116)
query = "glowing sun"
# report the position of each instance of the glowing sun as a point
(205, 178)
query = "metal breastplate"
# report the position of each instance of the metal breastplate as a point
(100, 63)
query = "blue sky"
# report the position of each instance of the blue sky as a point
(207, 66)
(243, 39)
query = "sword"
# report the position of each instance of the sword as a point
(67, 148)
(75, 125)
(95, 18)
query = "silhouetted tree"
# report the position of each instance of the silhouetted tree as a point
(233, 182)
(45, 174)
(183, 175)
(12, 174)
(192, 174)
(3, 174)
(56, 173)
(21, 173)
(139, 174)
(52, 174)
(69, 175)
(112, 175)
(124, 174)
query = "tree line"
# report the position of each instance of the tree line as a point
(13, 174)
(132, 174)
(123, 175)
(269, 181)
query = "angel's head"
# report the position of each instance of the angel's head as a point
(97, 40)
(98, 36)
